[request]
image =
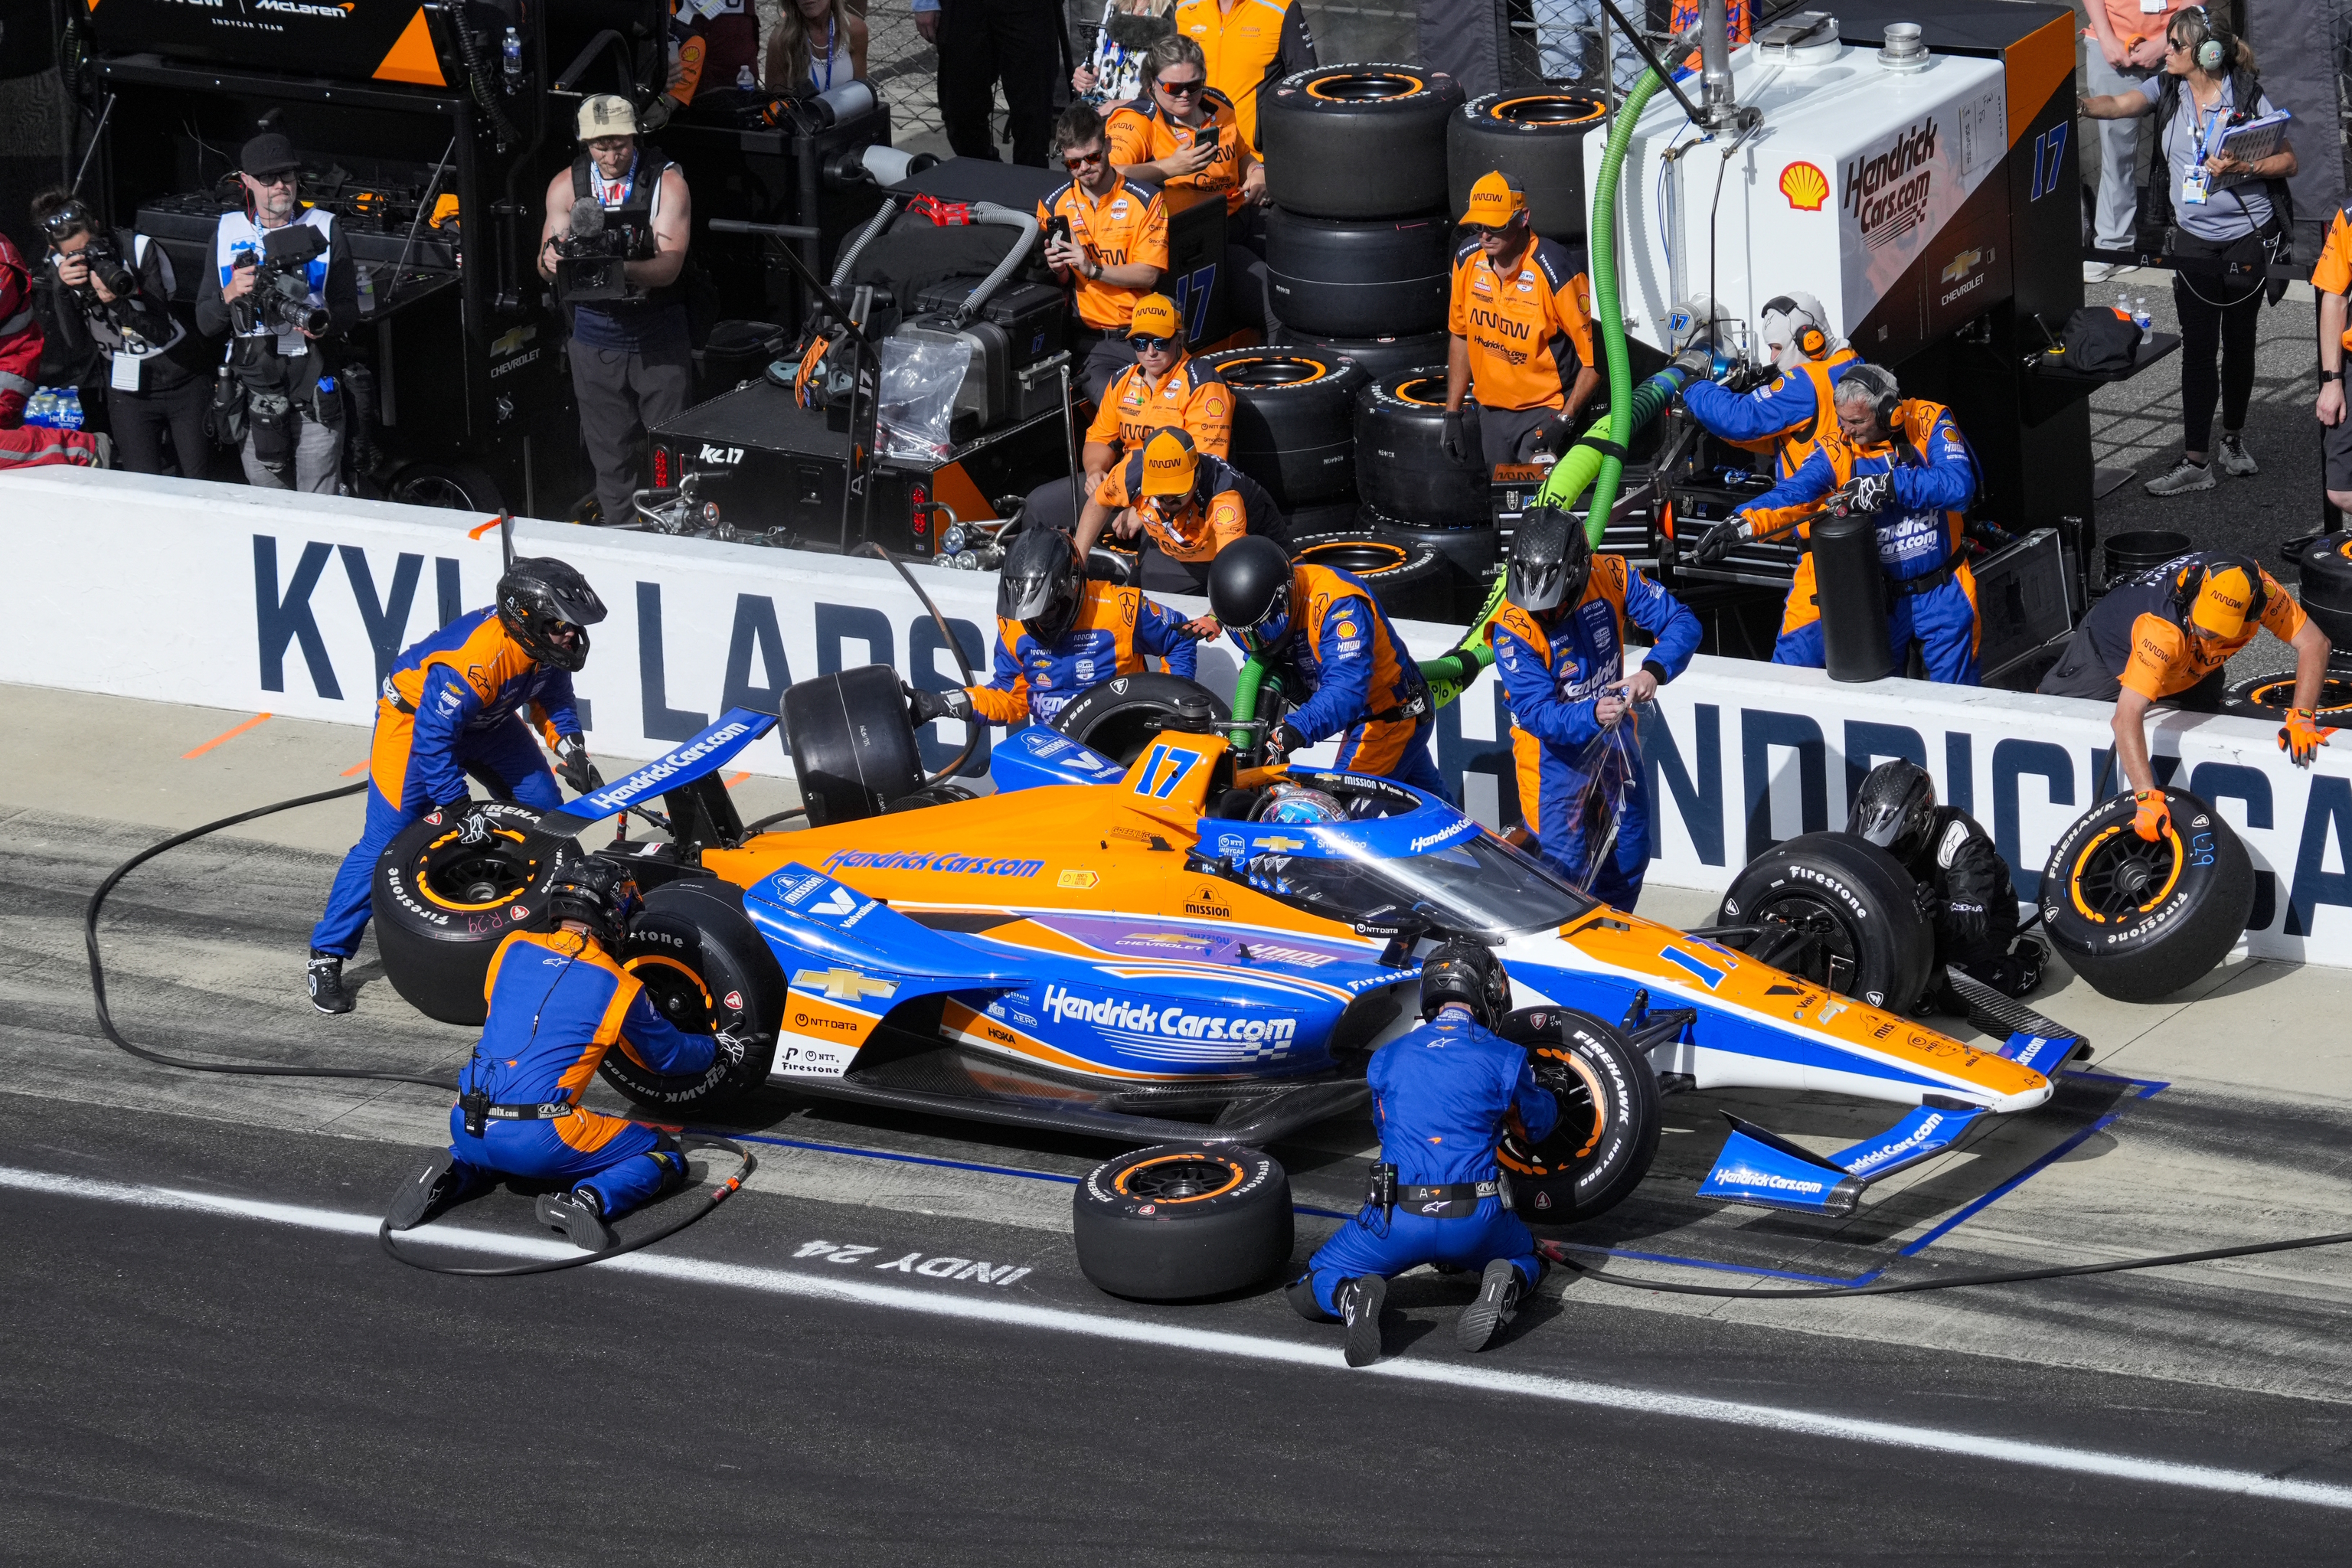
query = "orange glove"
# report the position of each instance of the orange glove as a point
(2301, 736)
(2155, 818)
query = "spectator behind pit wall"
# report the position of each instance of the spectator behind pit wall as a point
(1107, 238)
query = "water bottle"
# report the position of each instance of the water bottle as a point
(512, 49)
(2142, 319)
(2124, 306)
(42, 409)
(744, 80)
(69, 411)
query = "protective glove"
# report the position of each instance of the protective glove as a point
(730, 1046)
(922, 707)
(1285, 740)
(1716, 542)
(1557, 433)
(2155, 817)
(571, 762)
(1864, 493)
(1457, 446)
(1966, 924)
(472, 827)
(2300, 737)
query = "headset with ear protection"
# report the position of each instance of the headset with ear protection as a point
(2190, 581)
(1885, 392)
(2209, 47)
(1809, 340)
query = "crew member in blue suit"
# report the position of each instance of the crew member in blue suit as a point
(1789, 416)
(1903, 461)
(1442, 1095)
(452, 705)
(1560, 647)
(1057, 633)
(558, 1000)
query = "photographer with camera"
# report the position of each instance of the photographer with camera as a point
(615, 243)
(107, 298)
(281, 285)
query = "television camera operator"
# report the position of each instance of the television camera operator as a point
(283, 288)
(105, 301)
(613, 245)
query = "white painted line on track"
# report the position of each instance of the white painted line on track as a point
(1251, 1347)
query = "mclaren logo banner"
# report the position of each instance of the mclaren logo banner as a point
(348, 40)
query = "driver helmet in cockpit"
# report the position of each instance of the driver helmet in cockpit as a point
(1300, 804)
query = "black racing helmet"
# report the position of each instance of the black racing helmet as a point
(1463, 971)
(1551, 561)
(548, 607)
(1249, 592)
(1895, 808)
(598, 894)
(1039, 583)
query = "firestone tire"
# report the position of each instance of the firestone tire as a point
(705, 968)
(1609, 1117)
(441, 906)
(1536, 138)
(851, 743)
(2140, 920)
(1293, 422)
(1875, 945)
(1358, 278)
(1378, 358)
(2270, 696)
(1410, 582)
(1178, 1222)
(1473, 554)
(1118, 717)
(1357, 140)
(1401, 468)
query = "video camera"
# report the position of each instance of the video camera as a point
(280, 299)
(590, 262)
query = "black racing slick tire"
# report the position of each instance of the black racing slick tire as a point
(2326, 594)
(704, 968)
(1856, 903)
(1378, 358)
(1357, 140)
(1473, 554)
(1118, 717)
(851, 743)
(441, 905)
(2140, 920)
(1538, 139)
(1177, 1222)
(1294, 421)
(1401, 468)
(2270, 696)
(1609, 1117)
(1357, 277)
(1410, 582)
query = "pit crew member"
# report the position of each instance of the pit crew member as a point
(1522, 335)
(453, 705)
(1442, 1095)
(1106, 238)
(558, 1000)
(2165, 637)
(1184, 505)
(1057, 633)
(1164, 387)
(1903, 461)
(1560, 647)
(1791, 414)
(1348, 674)
(1951, 855)
(1182, 133)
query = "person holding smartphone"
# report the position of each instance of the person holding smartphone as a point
(1106, 237)
(1183, 133)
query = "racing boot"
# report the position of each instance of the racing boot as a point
(325, 982)
(1360, 1300)
(578, 1215)
(443, 1182)
(1497, 1304)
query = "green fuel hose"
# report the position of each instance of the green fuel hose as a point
(1604, 301)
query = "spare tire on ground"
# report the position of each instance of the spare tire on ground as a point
(1294, 421)
(1401, 468)
(1357, 140)
(2140, 920)
(1609, 1124)
(1536, 138)
(705, 967)
(851, 743)
(2270, 696)
(1411, 582)
(1359, 277)
(1838, 911)
(441, 904)
(1177, 1222)
(1118, 717)
(2325, 591)
(1378, 358)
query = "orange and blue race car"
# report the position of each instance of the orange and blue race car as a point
(1130, 951)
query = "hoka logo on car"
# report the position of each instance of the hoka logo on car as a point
(1172, 1021)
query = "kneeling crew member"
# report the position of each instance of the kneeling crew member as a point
(1905, 462)
(1948, 853)
(1442, 1096)
(1319, 631)
(558, 1000)
(1522, 335)
(1165, 388)
(1057, 633)
(453, 705)
(1185, 506)
(1560, 647)
(2164, 636)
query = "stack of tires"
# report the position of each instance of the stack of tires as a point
(2325, 564)
(1294, 430)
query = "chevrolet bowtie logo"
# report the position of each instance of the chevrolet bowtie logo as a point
(841, 985)
(1279, 844)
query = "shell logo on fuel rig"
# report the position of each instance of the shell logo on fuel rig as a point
(1805, 185)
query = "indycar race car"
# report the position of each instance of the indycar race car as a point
(1131, 952)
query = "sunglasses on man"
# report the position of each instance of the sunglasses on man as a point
(1074, 162)
(1151, 345)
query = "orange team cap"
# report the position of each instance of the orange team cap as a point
(1495, 201)
(1169, 462)
(1155, 317)
(2221, 606)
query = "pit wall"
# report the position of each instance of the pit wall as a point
(263, 602)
